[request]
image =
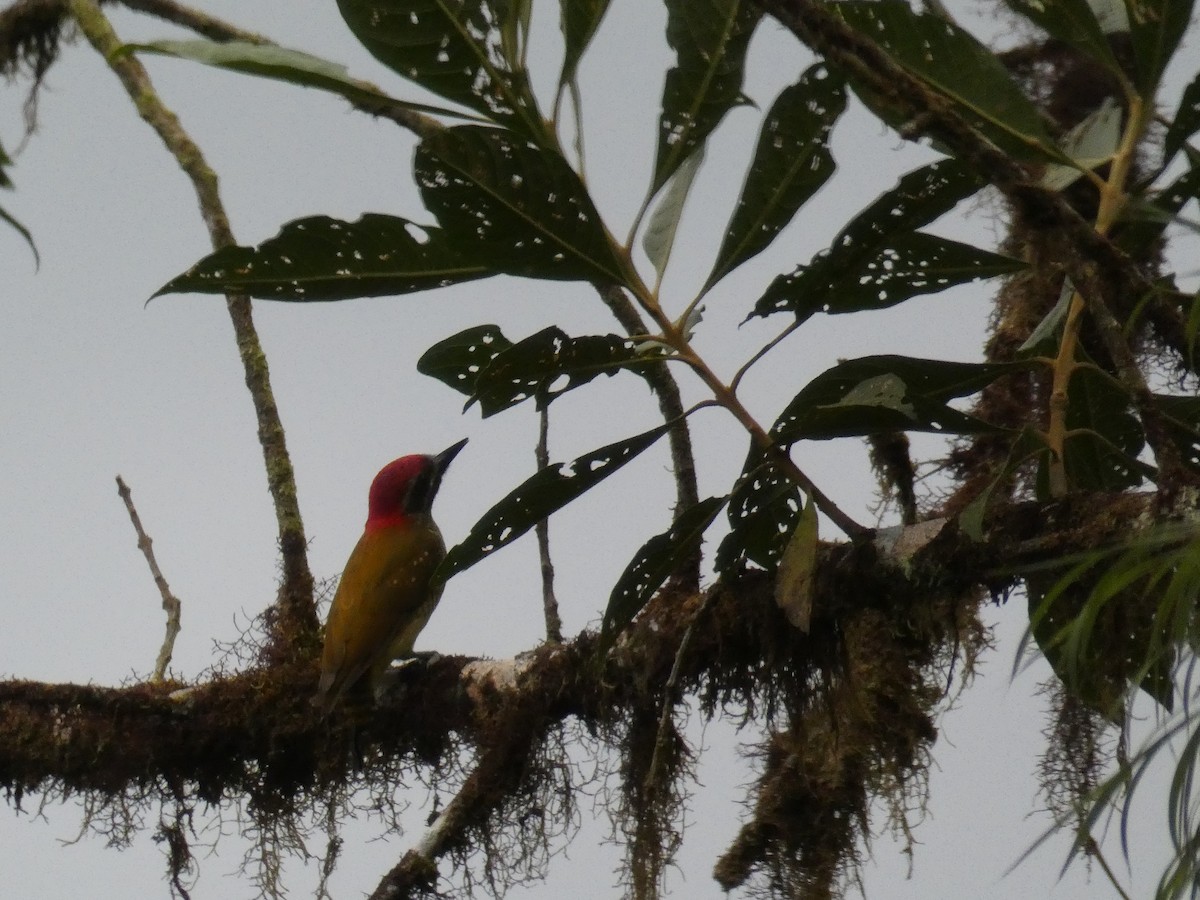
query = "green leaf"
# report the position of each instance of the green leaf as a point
(1182, 418)
(956, 66)
(281, 64)
(664, 222)
(320, 258)
(1073, 22)
(709, 38)
(764, 509)
(547, 491)
(456, 50)
(1151, 216)
(458, 360)
(1157, 26)
(1029, 443)
(1089, 145)
(1044, 339)
(870, 239)
(548, 364)
(24, 232)
(791, 163)
(1104, 436)
(653, 564)
(794, 580)
(1184, 123)
(513, 207)
(579, 21)
(887, 393)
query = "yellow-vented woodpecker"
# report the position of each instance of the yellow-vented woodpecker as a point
(385, 597)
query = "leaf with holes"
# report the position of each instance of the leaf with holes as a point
(320, 258)
(456, 50)
(544, 493)
(1181, 415)
(953, 64)
(888, 393)
(282, 64)
(920, 197)
(579, 20)
(791, 163)
(764, 509)
(513, 207)
(458, 360)
(550, 363)
(910, 265)
(653, 564)
(709, 38)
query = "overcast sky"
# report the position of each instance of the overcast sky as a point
(94, 383)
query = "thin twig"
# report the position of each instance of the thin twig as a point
(170, 603)
(554, 633)
(296, 619)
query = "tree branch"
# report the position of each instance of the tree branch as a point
(295, 617)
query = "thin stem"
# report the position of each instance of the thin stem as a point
(554, 633)
(1064, 368)
(763, 351)
(295, 618)
(170, 603)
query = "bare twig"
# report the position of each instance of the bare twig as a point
(170, 602)
(295, 622)
(554, 633)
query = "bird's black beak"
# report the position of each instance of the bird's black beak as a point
(442, 460)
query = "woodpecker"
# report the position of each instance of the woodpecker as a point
(385, 597)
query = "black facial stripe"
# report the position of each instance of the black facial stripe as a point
(419, 496)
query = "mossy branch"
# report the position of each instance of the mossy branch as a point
(295, 618)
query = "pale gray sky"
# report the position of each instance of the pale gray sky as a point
(94, 383)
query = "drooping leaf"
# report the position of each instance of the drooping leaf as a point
(1071, 21)
(709, 38)
(456, 50)
(653, 564)
(23, 231)
(920, 197)
(1181, 416)
(659, 237)
(1043, 341)
(797, 566)
(1156, 26)
(1028, 444)
(282, 64)
(579, 20)
(320, 258)
(6, 182)
(548, 364)
(458, 360)
(1104, 436)
(764, 509)
(1089, 145)
(887, 393)
(513, 207)
(545, 492)
(1151, 216)
(1185, 122)
(956, 66)
(791, 163)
